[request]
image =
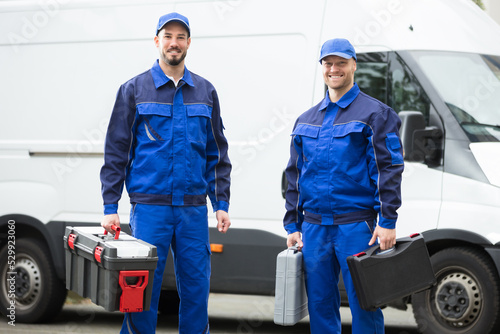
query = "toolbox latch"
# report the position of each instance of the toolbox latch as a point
(71, 240)
(360, 254)
(97, 253)
(132, 298)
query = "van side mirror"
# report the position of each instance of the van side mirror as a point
(420, 143)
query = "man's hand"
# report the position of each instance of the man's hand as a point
(110, 220)
(295, 238)
(223, 221)
(386, 237)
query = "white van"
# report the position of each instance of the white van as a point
(436, 62)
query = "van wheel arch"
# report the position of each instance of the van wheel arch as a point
(30, 227)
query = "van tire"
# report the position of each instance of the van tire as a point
(468, 291)
(39, 294)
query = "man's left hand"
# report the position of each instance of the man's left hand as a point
(223, 221)
(386, 237)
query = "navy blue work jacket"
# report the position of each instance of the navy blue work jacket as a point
(166, 143)
(345, 165)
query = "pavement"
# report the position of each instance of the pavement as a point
(231, 314)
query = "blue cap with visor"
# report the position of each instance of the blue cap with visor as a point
(337, 47)
(173, 17)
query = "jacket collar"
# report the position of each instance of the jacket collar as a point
(344, 101)
(160, 78)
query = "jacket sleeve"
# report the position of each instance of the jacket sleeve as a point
(218, 172)
(118, 148)
(294, 216)
(386, 166)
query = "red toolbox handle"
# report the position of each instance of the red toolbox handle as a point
(115, 228)
(132, 298)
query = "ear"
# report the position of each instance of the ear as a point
(354, 66)
(157, 41)
(188, 42)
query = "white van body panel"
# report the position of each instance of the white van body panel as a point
(470, 205)
(412, 25)
(412, 217)
(488, 157)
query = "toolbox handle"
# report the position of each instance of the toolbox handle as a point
(401, 245)
(115, 228)
(132, 298)
(294, 248)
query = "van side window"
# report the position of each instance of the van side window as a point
(371, 75)
(386, 77)
(405, 92)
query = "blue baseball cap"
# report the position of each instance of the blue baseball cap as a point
(337, 47)
(173, 17)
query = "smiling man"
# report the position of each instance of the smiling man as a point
(344, 179)
(165, 141)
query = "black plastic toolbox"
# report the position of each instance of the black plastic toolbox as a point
(382, 277)
(115, 272)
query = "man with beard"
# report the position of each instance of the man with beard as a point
(165, 141)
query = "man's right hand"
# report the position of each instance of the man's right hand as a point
(110, 220)
(295, 238)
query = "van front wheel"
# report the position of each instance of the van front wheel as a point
(465, 298)
(29, 288)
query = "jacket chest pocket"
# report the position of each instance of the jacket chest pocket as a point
(349, 143)
(155, 122)
(198, 122)
(308, 138)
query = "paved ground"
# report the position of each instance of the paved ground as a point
(232, 314)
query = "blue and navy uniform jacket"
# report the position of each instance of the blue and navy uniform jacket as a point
(345, 165)
(166, 143)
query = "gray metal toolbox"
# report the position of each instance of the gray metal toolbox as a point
(114, 272)
(290, 296)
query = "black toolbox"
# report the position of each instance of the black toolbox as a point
(115, 272)
(382, 277)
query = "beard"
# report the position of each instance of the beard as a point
(172, 60)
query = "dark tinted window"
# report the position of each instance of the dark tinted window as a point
(385, 77)
(371, 75)
(406, 93)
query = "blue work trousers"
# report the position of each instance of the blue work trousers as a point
(326, 248)
(186, 230)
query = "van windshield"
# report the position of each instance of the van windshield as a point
(470, 86)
